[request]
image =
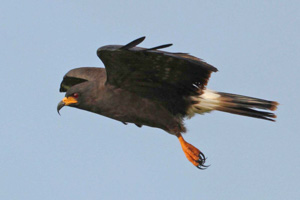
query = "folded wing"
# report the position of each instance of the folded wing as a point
(164, 77)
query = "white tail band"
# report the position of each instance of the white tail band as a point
(207, 102)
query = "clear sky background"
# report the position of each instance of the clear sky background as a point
(80, 155)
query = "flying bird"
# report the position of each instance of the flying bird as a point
(147, 86)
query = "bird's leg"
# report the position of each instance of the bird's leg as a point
(194, 155)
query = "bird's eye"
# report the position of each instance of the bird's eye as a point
(75, 95)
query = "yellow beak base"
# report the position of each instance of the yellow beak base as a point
(69, 100)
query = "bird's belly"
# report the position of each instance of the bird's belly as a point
(135, 109)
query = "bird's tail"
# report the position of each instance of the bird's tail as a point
(236, 104)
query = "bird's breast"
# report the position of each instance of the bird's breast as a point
(125, 106)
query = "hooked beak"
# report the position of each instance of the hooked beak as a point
(65, 102)
(59, 106)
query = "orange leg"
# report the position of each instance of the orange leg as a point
(194, 155)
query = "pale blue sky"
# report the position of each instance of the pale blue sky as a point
(80, 155)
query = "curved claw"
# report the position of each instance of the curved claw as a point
(203, 167)
(201, 161)
(194, 155)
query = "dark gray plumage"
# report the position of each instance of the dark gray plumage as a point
(154, 88)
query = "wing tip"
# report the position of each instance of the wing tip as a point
(133, 43)
(159, 47)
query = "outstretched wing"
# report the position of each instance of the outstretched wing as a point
(164, 77)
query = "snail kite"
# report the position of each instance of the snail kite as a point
(147, 86)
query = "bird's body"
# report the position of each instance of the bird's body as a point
(154, 88)
(113, 102)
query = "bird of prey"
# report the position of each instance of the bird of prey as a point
(147, 86)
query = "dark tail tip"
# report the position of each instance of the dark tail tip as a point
(274, 105)
(247, 106)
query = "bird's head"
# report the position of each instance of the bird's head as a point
(75, 96)
(80, 85)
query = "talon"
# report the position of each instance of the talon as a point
(194, 155)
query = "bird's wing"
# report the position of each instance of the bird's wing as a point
(165, 77)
